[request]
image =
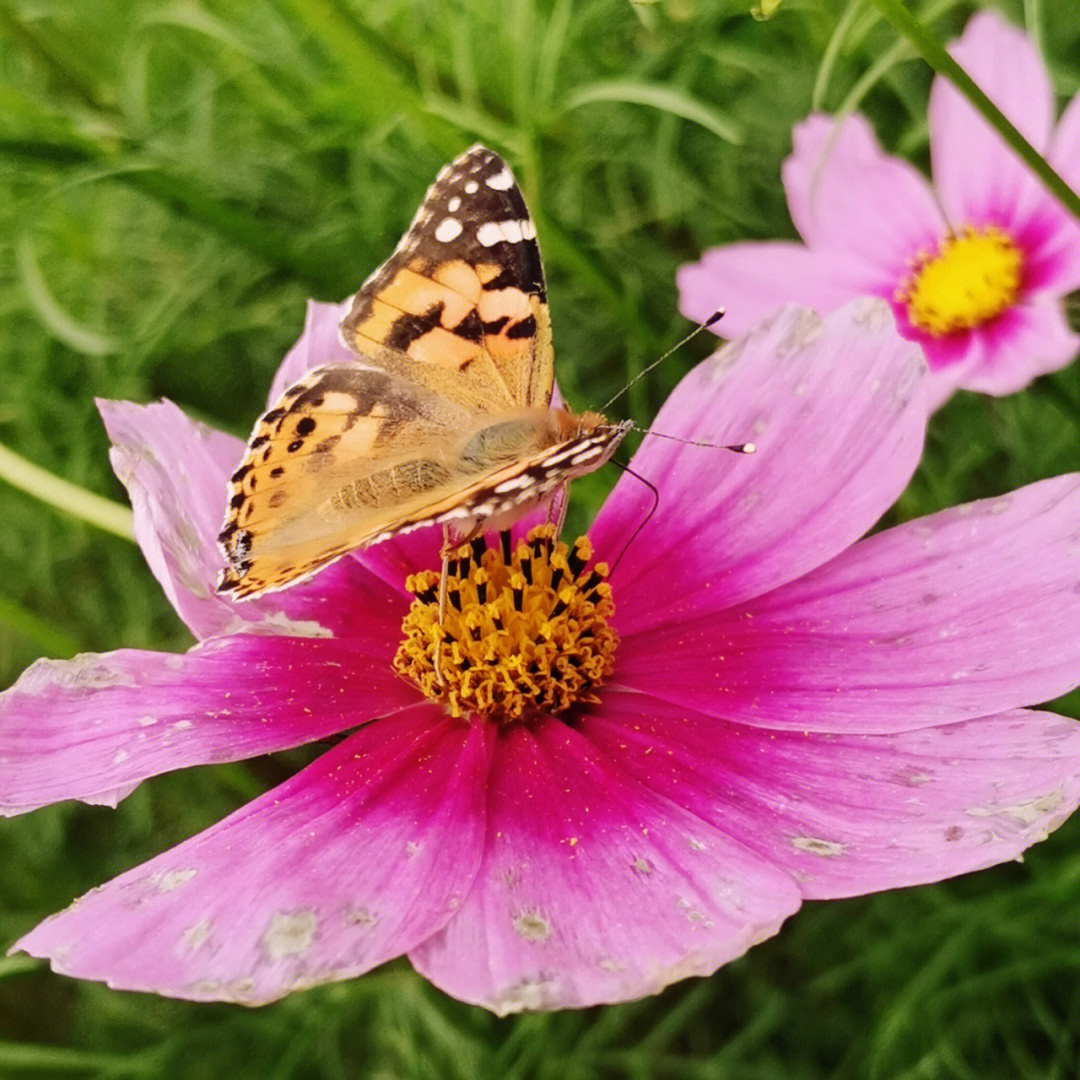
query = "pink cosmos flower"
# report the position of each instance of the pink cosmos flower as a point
(974, 267)
(789, 711)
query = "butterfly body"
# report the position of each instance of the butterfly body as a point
(443, 416)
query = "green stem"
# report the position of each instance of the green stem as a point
(72, 499)
(35, 629)
(933, 52)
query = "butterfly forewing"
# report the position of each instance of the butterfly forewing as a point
(464, 290)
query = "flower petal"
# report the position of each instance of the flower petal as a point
(176, 471)
(92, 728)
(966, 613)
(837, 411)
(846, 195)
(592, 888)
(318, 344)
(979, 179)
(1024, 342)
(752, 281)
(351, 862)
(854, 814)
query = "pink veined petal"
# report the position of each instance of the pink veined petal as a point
(941, 619)
(979, 179)
(1024, 342)
(318, 344)
(847, 196)
(594, 889)
(852, 814)
(351, 862)
(837, 412)
(176, 472)
(92, 728)
(751, 281)
(1048, 236)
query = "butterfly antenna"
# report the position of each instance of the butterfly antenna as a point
(735, 448)
(714, 318)
(648, 517)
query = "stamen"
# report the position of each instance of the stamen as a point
(521, 636)
(972, 279)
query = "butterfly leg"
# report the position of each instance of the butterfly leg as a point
(447, 547)
(556, 511)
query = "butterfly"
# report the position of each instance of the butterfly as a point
(442, 416)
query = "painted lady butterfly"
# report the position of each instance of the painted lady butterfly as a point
(444, 414)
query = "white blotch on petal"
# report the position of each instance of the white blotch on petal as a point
(827, 849)
(449, 229)
(146, 721)
(532, 926)
(1025, 813)
(120, 756)
(167, 880)
(290, 934)
(86, 671)
(195, 935)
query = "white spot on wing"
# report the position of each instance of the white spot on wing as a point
(490, 232)
(449, 229)
(454, 204)
(471, 187)
(501, 181)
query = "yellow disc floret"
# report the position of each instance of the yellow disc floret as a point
(524, 631)
(972, 279)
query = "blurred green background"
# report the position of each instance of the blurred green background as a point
(176, 177)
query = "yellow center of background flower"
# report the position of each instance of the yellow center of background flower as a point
(524, 632)
(973, 278)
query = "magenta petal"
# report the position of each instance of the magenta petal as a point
(846, 195)
(92, 728)
(1024, 342)
(593, 888)
(978, 178)
(753, 280)
(318, 344)
(353, 861)
(837, 410)
(941, 619)
(176, 471)
(854, 814)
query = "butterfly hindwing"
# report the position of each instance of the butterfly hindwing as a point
(344, 427)
(464, 291)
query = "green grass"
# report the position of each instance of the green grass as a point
(175, 178)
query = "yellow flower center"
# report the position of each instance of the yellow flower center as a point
(973, 278)
(524, 632)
